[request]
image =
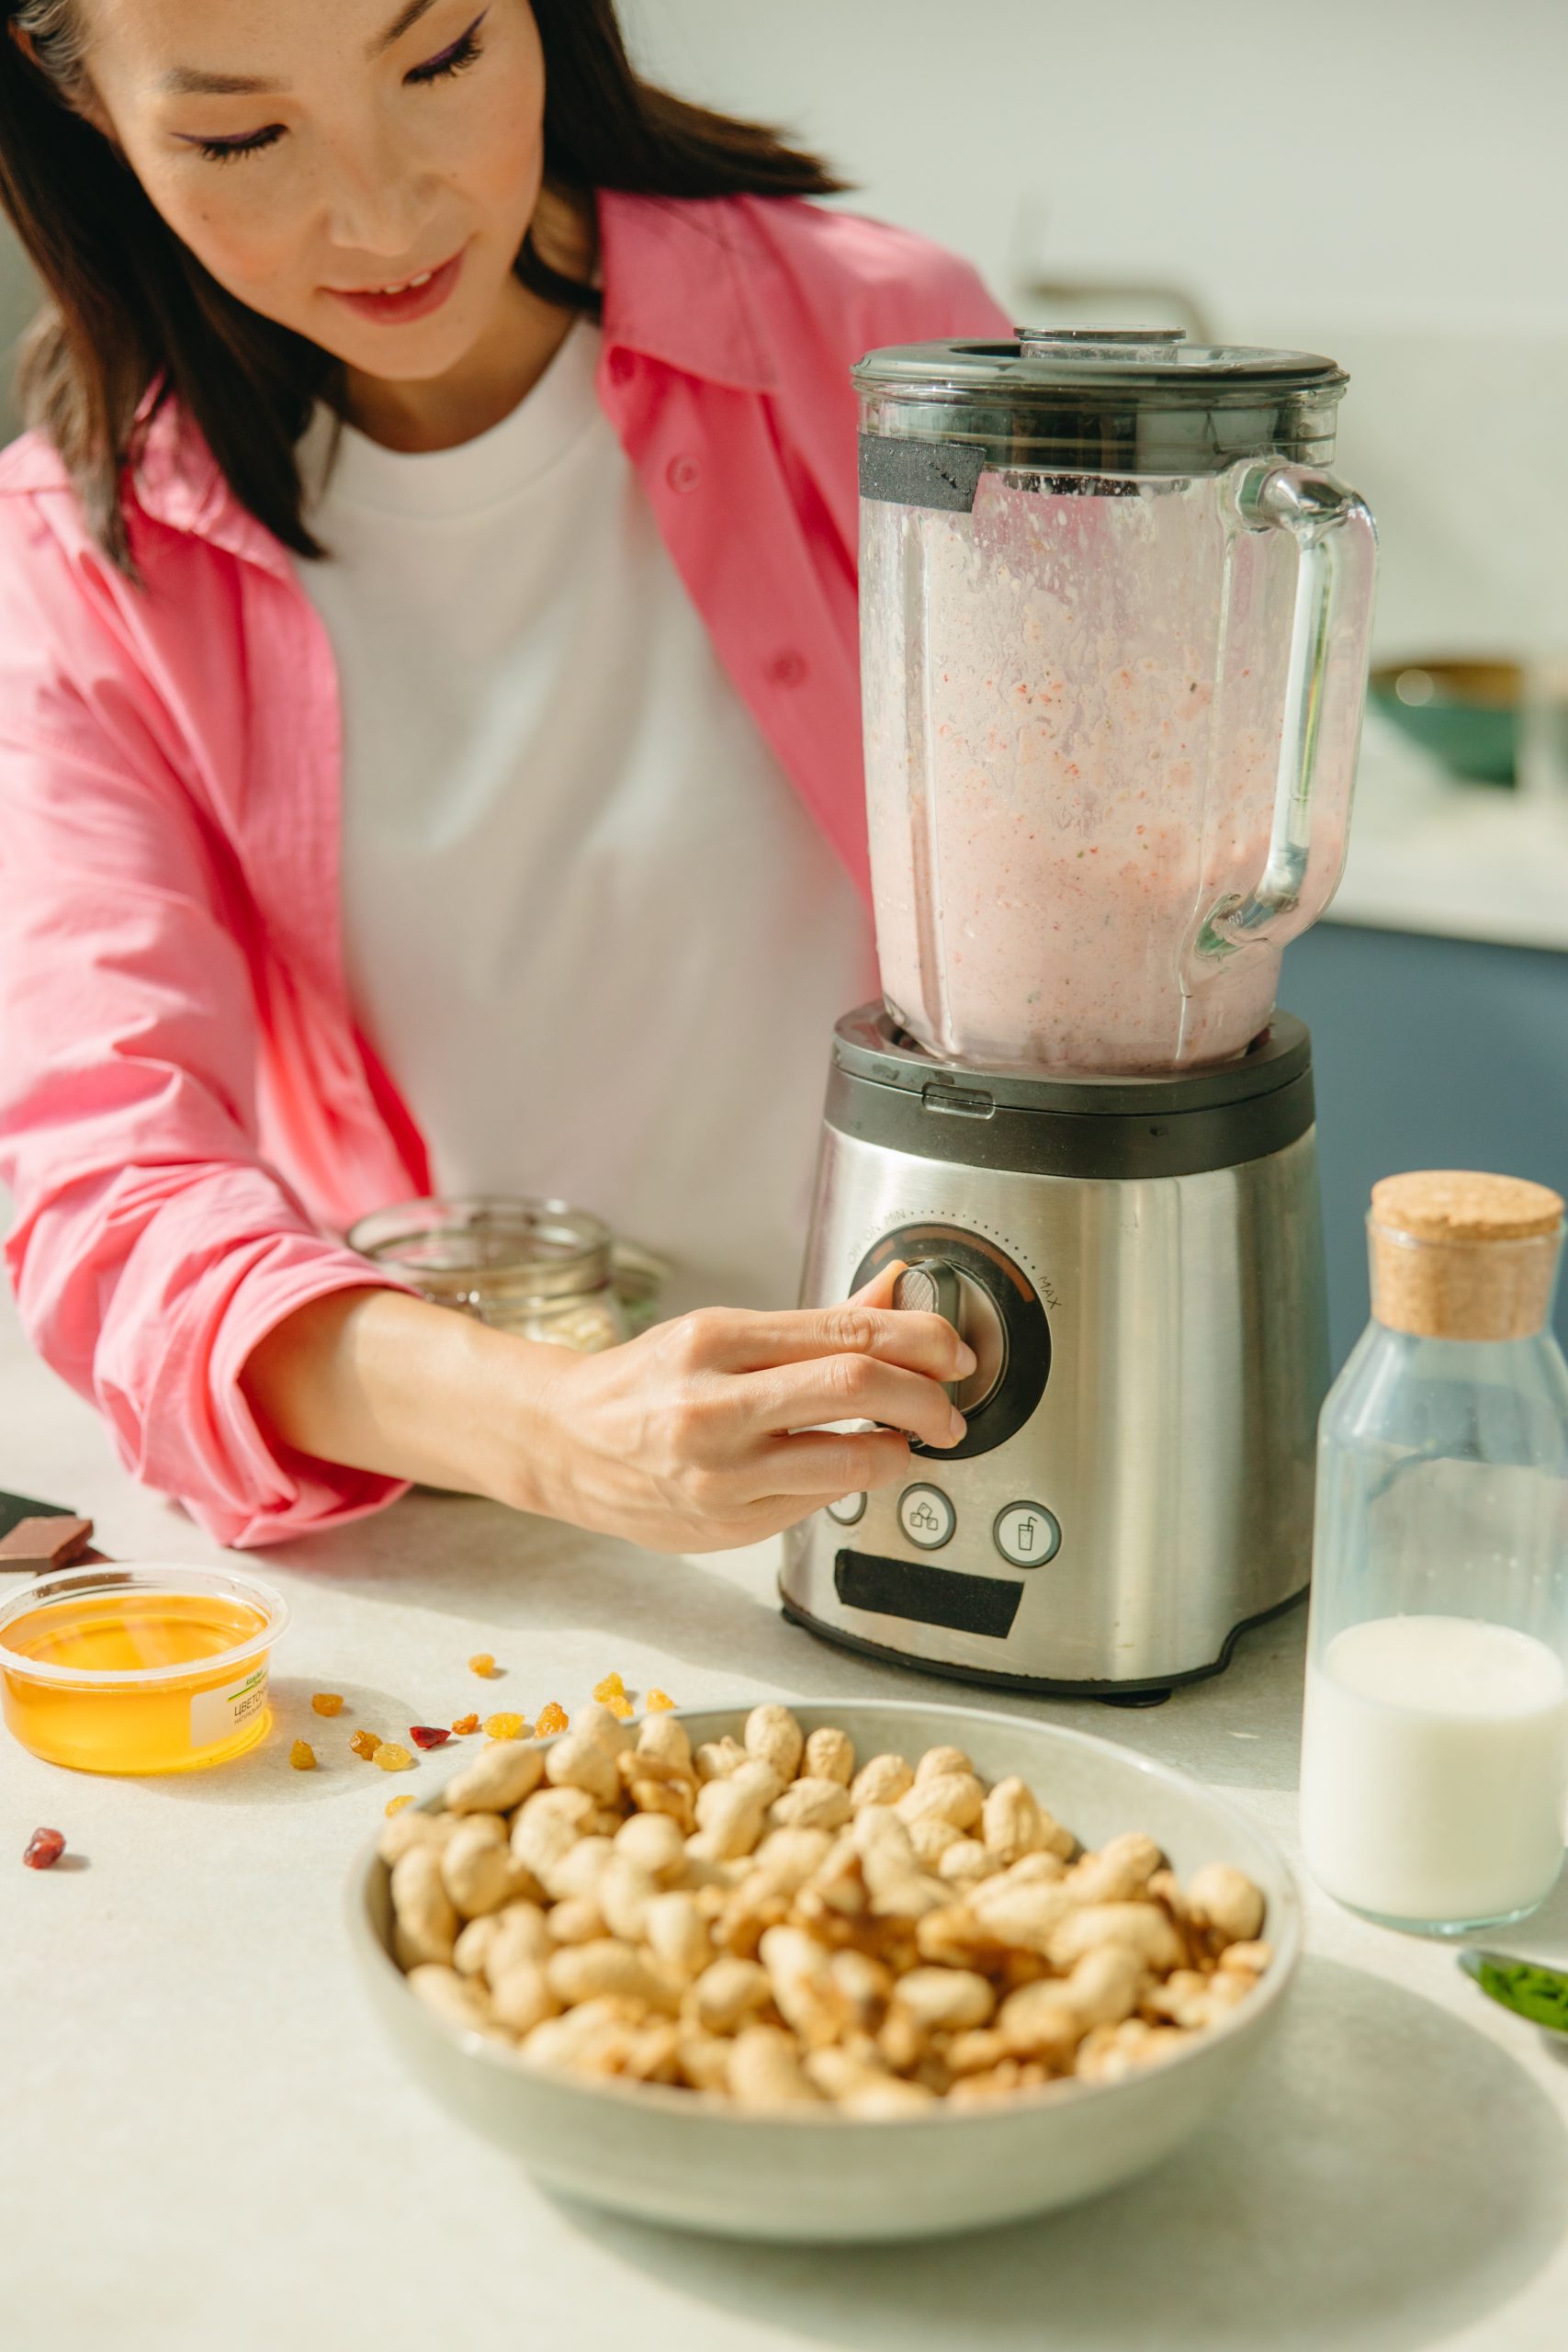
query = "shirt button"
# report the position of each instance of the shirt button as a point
(622, 365)
(788, 669)
(683, 473)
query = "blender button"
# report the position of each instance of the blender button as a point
(849, 1511)
(683, 473)
(788, 669)
(1027, 1534)
(927, 1517)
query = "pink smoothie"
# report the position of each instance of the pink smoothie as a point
(1074, 708)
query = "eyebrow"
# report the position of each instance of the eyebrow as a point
(189, 80)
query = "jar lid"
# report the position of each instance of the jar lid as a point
(1460, 1255)
(1461, 1204)
(486, 1249)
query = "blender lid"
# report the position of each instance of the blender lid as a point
(1138, 363)
(1098, 401)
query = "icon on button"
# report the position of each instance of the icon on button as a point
(927, 1517)
(849, 1511)
(1027, 1534)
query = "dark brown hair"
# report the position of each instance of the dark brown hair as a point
(131, 308)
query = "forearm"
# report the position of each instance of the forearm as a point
(378, 1381)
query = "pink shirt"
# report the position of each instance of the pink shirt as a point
(188, 1115)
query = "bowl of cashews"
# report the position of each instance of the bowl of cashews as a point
(836, 1971)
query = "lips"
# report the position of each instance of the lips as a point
(404, 300)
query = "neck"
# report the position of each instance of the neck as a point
(492, 378)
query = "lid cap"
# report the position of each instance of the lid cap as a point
(1457, 1254)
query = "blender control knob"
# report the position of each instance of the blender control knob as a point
(928, 1287)
(931, 1286)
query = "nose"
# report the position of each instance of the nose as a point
(378, 198)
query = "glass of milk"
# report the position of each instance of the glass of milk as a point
(1435, 1744)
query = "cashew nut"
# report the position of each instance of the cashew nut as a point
(773, 1733)
(461, 2000)
(829, 1755)
(811, 1805)
(882, 1781)
(1224, 1899)
(426, 1925)
(765, 2073)
(577, 1761)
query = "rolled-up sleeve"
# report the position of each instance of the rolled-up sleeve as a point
(152, 1245)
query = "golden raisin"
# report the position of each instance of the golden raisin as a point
(552, 1718)
(656, 1702)
(302, 1756)
(620, 1706)
(504, 1726)
(328, 1703)
(391, 1758)
(481, 1662)
(466, 1723)
(396, 1805)
(611, 1687)
(365, 1743)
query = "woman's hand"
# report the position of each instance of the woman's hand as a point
(710, 1430)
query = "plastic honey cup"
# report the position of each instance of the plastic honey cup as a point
(138, 1669)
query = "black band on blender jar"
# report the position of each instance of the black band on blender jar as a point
(920, 473)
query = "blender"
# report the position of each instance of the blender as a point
(1115, 613)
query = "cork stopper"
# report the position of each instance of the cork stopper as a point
(1458, 1255)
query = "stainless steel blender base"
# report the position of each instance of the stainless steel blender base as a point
(1138, 1488)
(1143, 1694)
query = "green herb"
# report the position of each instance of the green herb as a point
(1525, 1987)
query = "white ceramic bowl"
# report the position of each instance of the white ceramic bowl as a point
(668, 2156)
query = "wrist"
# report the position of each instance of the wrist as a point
(520, 1445)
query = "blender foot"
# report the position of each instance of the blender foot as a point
(1132, 1698)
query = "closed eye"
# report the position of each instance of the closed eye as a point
(465, 51)
(228, 151)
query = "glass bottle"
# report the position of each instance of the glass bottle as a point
(1435, 1744)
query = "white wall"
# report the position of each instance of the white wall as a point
(1386, 180)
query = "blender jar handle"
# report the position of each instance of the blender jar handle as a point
(1336, 559)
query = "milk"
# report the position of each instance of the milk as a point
(1435, 1769)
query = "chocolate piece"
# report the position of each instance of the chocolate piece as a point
(35, 1545)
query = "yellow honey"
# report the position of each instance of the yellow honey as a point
(113, 1670)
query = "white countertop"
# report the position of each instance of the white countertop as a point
(1459, 861)
(205, 2142)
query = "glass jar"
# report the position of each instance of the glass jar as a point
(536, 1268)
(1435, 1744)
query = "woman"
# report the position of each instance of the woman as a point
(429, 749)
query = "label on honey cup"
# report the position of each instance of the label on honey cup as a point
(217, 1715)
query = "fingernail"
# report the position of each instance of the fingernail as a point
(968, 1361)
(960, 1428)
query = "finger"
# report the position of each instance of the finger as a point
(825, 1464)
(852, 1388)
(922, 1343)
(878, 1292)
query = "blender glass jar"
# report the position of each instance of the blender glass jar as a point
(1115, 633)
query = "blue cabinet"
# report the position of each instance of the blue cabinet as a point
(1429, 1052)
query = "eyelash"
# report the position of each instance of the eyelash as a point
(465, 51)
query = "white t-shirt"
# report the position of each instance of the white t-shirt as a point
(590, 927)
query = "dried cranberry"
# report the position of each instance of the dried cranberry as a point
(44, 1849)
(429, 1734)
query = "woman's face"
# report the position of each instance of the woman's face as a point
(362, 171)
